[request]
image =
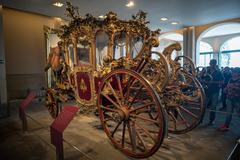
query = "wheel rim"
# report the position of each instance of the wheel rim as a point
(187, 64)
(51, 104)
(187, 112)
(124, 113)
(157, 71)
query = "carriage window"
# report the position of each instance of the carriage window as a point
(71, 55)
(135, 46)
(101, 47)
(83, 51)
(119, 45)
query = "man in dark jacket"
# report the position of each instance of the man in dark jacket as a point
(213, 88)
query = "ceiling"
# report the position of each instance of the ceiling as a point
(186, 12)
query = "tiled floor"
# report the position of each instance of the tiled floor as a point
(203, 143)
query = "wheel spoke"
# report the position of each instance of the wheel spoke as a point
(188, 112)
(123, 134)
(114, 93)
(146, 131)
(193, 103)
(108, 119)
(145, 118)
(108, 109)
(131, 81)
(134, 98)
(183, 119)
(141, 140)
(141, 107)
(174, 119)
(114, 131)
(133, 144)
(194, 108)
(119, 86)
(106, 96)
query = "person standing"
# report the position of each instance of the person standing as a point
(227, 75)
(233, 97)
(213, 88)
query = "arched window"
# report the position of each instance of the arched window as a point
(205, 47)
(230, 53)
(206, 53)
(215, 34)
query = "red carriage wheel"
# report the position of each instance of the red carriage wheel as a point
(125, 101)
(189, 105)
(52, 103)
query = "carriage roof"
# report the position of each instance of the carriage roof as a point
(84, 30)
(89, 25)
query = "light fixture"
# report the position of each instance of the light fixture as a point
(174, 23)
(164, 19)
(130, 4)
(102, 16)
(58, 4)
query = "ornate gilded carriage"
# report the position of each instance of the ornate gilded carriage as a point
(140, 93)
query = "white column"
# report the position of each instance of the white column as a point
(189, 43)
(3, 83)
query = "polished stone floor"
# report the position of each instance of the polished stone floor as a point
(203, 143)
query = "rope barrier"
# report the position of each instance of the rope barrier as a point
(44, 128)
(222, 112)
(217, 111)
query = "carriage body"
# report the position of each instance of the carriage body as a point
(109, 63)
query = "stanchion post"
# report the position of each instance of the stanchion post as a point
(24, 123)
(58, 126)
(59, 153)
(23, 106)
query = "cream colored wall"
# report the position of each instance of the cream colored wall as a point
(25, 50)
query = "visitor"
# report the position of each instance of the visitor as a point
(213, 88)
(227, 76)
(233, 97)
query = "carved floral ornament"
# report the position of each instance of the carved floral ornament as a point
(89, 25)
